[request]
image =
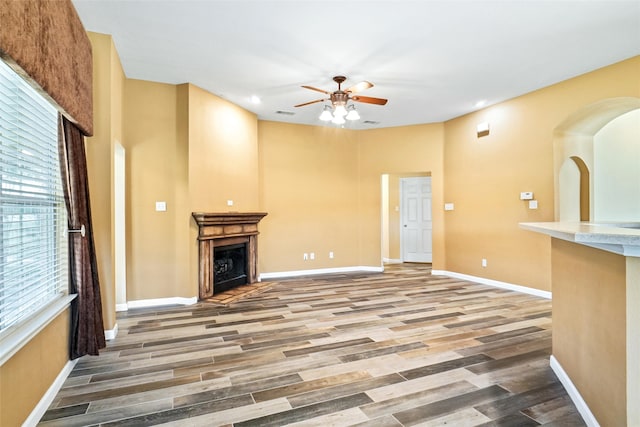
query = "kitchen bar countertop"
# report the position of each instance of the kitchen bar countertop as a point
(622, 238)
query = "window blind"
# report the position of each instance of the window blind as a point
(33, 217)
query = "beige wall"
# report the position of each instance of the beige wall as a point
(309, 187)
(589, 332)
(223, 154)
(408, 150)
(222, 165)
(484, 176)
(28, 374)
(107, 116)
(322, 189)
(193, 151)
(154, 172)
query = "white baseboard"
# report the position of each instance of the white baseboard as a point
(280, 274)
(122, 307)
(110, 334)
(43, 405)
(573, 393)
(161, 301)
(496, 283)
(391, 260)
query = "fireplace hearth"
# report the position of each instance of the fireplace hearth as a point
(227, 250)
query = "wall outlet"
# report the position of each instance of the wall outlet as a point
(229, 202)
(331, 255)
(305, 256)
(484, 262)
(312, 255)
(161, 206)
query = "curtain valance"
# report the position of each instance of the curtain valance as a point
(46, 43)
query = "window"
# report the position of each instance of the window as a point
(33, 217)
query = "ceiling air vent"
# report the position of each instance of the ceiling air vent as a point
(285, 113)
(370, 122)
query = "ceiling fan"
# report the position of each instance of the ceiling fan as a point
(339, 99)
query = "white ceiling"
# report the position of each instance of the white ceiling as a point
(433, 60)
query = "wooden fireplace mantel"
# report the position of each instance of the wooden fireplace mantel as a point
(222, 223)
(222, 229)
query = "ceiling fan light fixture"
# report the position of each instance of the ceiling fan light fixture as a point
(352, 113)
(339, 110)
(326, 115)
(338, 120)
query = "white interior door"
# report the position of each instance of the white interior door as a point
(416, 221)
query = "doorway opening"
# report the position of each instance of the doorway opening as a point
(596, 168)
(406, 218)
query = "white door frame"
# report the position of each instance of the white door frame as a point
(120, 245)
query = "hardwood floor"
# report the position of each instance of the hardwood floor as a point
(400, 348)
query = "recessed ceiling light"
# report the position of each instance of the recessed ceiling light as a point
(255, 99)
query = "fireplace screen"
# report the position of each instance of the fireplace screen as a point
(230, 267)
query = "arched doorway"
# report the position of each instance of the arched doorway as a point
(574, 180)
(575, 157)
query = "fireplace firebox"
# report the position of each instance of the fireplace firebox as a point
(224, 240)
(229, 267)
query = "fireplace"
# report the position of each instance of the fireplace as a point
(227, 250)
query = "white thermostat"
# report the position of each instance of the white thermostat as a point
(526, 195)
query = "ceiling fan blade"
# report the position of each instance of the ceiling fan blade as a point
(310, 102)
(369, 100)
(359, 87)
(316, 89)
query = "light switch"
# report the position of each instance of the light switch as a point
(533, 204)
(161, 206)
(448, 206)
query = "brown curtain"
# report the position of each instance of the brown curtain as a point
(87, 329)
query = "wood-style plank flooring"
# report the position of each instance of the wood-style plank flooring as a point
(400, 348)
